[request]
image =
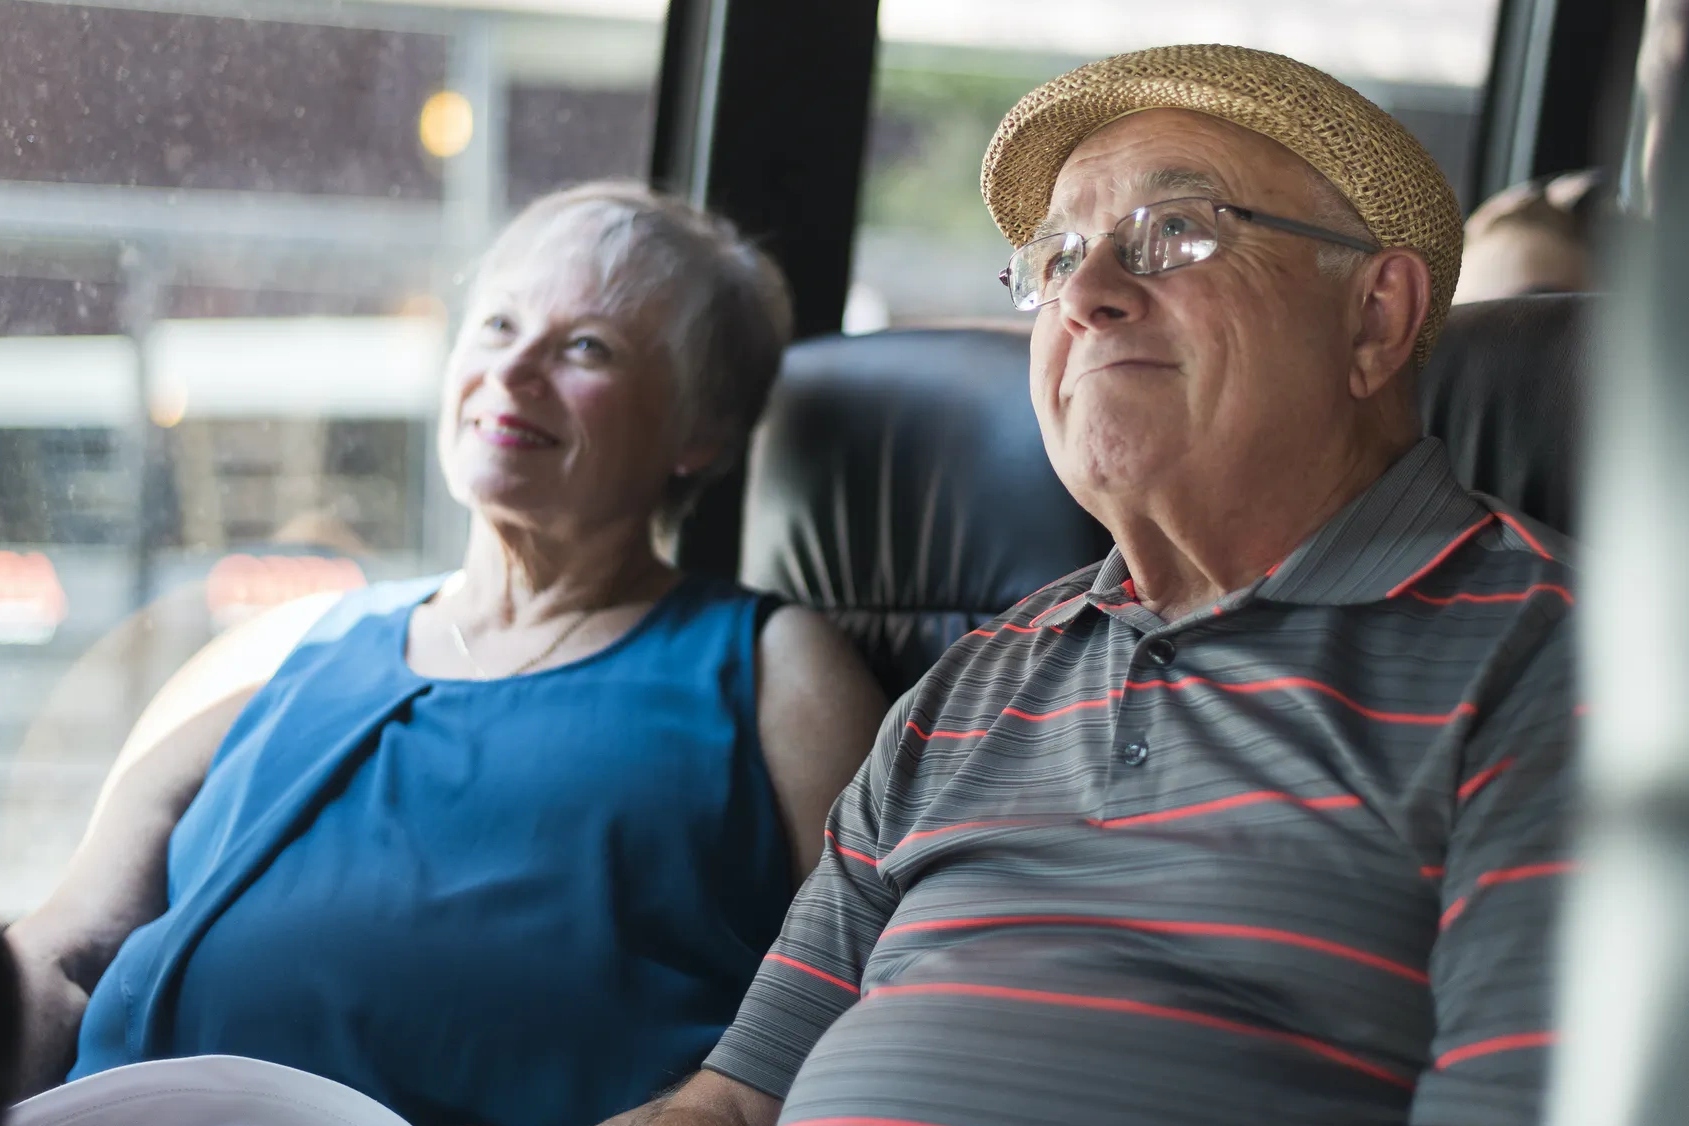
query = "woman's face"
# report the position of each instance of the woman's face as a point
(559, 406)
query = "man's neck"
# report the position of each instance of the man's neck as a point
(1187, 547)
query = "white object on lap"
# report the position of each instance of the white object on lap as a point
(203, 1091)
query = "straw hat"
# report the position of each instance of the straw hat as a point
(1384, 173)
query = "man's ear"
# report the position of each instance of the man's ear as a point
(1394, 291)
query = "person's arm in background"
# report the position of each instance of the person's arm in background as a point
(116, 879)
(1493, 965)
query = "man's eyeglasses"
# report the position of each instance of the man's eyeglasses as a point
(1162, 236)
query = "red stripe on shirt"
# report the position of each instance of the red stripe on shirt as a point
(1082, 705)
(1516, 1042)
(1165, 926)
(813, 972)
(1141, 1008)
(1219, 805)
(1247, 688)
(929, 736)
(1525, 872)
(1018, 713)
(1285, 683)
(1065, 602)
(850, 852)
(1505, 876)
(1437, 559)
(1519, 528)
(1009, 627)
(994, 823)
(1506, 596)
(1455, 910)
(1483, 778)
(1432, 871)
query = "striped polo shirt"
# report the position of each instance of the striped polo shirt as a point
(1290, 859)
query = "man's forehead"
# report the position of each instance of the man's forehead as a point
(1078, 195)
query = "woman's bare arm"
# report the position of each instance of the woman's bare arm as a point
(818, 712)
(116, 879)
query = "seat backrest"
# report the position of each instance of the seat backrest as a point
(1504, 391)
(899, 481)
(11, 1027)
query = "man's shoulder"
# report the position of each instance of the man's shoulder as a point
(1002, 650)
(1039, 612)
(1525, 538)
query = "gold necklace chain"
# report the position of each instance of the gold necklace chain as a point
(556, 644)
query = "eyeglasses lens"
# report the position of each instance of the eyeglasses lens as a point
(1165, 236)
(1038, 270)
(1162, 236)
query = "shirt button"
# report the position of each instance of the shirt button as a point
(1161, 651)
(1135, 753)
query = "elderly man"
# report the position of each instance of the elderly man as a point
(1259, 819)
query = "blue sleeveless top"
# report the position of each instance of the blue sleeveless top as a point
(517, 902)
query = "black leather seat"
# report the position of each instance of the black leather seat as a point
(899, 481)
(11, 1027)
(1504, 391)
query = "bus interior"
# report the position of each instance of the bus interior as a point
(235, 236)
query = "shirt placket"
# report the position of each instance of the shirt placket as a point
(1152, 653)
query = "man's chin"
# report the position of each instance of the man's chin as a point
(1119, 466)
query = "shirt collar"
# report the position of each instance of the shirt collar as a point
(1400, 528)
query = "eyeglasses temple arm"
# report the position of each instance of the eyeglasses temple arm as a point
(1306, 230)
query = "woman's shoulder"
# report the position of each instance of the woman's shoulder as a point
(378, 599)
(696, 598)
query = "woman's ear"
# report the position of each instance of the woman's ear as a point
(1395, 298)
(698, 457)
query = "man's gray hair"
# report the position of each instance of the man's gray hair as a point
(728, 305)
(1335, 213)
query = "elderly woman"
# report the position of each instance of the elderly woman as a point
(507, 847)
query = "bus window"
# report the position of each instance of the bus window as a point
(232, 233)
(949, 69)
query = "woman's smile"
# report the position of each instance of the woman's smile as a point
(509, 432)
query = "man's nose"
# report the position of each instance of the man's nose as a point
(1101, 292)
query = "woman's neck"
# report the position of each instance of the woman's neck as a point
(514, 576)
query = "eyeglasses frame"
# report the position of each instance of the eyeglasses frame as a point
(1246, 214)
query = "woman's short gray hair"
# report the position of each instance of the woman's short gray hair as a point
(730, 309)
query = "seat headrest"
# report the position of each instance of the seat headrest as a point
(1504, 391)
(899, 481)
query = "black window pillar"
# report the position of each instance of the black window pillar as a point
(762, 114)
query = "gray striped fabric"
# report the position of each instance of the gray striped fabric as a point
(1292, 859)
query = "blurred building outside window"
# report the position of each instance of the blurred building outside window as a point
(926, 251)
(232, 235)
